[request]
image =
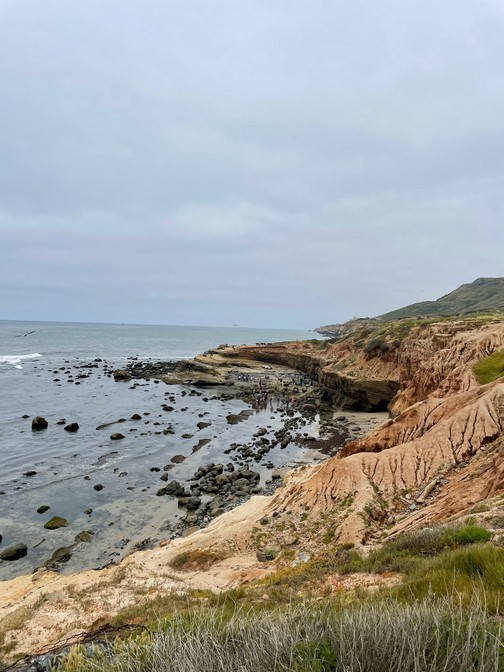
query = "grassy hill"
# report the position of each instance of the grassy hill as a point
(484, 294)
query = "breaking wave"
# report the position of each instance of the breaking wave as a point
(15, 360)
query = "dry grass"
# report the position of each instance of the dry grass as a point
(198, 560)
(378, 636)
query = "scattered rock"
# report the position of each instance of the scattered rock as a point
(43, 508)
(121, 374)
(55, 523)
(72, 427)
(85, 536)
(60, 556)
(117, 436)
(13, 553)
(39, 423)
(98, 487)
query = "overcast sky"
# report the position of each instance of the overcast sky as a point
(272, 163)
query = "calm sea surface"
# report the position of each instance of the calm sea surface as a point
(39, 367)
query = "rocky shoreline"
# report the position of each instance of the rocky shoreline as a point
(292, 413)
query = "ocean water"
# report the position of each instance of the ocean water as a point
(45, 370)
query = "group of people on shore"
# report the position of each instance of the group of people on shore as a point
(266, 391)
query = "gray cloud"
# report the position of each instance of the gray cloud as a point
(267, 163)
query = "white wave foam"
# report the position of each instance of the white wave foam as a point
(15, 360)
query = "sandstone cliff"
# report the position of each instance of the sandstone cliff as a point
(439, 454)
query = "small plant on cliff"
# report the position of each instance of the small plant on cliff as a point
(197, 560)
(489, 368)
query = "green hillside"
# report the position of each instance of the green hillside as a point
(482, 295)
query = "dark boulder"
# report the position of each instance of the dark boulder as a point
(39, 423)
(174, 488)
(117, 436)
(55, 523)
(14, 552)
(72, 427)
(121, 374)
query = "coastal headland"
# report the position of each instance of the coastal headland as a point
(437, 455)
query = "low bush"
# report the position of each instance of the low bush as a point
(465, 571)
(198, 560)
(489, 368)
(404, 552)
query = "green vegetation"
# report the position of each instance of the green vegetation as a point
(490, 368)
(198, 560)
(482, 295)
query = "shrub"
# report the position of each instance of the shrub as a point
(489, 368)
(462, 571)
(406, 552)
(191, 561)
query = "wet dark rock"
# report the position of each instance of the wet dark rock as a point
(98, 487)
(62, 421)
(200, 444)
(117, 436)
(13, 553)
(191, 503)
(43, 508)
(187, 436)
(72, 427)
(88, 512)
(55, 523)
(39, 423)
(174, 488)
(84, 537)
(203, 425)
(59, 557)
(136, 416)
(30, 473)
(178, 459)
(121, 374)
(25, 416)
(222, 479)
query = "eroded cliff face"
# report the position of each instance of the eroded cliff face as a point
(412, 469)
(373, 370)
